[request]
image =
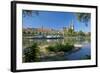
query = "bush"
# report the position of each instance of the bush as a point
(67, 47)
(30, 53)
(53, 48)
(60, 47)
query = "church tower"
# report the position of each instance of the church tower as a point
(72, 25)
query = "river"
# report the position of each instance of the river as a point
(82, 53)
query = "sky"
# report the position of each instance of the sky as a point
(54, 20)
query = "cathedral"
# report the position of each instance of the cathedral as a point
(71, 26)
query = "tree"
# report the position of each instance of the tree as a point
(70, 32)
(81, 33)
(83, 17)
(30, 13)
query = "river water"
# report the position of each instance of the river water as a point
(81, 53)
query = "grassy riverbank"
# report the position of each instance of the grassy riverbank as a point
(37, 53)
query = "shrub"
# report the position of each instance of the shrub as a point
(60, 47)
(30, 53)
(67, 47)
(53, 48)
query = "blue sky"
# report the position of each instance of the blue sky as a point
(54, 20)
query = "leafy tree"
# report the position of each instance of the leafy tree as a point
(24, 32)
(70, 32)
(30, 13)
(83, 17)
(81, 33)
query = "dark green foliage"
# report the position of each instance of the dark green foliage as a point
(81, 33)
(51, 48)
(30, 13)
(55, 48)
(60, 47)
(83, 17)
(70, 32)
(31, 53)
(67, 47)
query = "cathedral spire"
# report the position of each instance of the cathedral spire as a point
(72, 25)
